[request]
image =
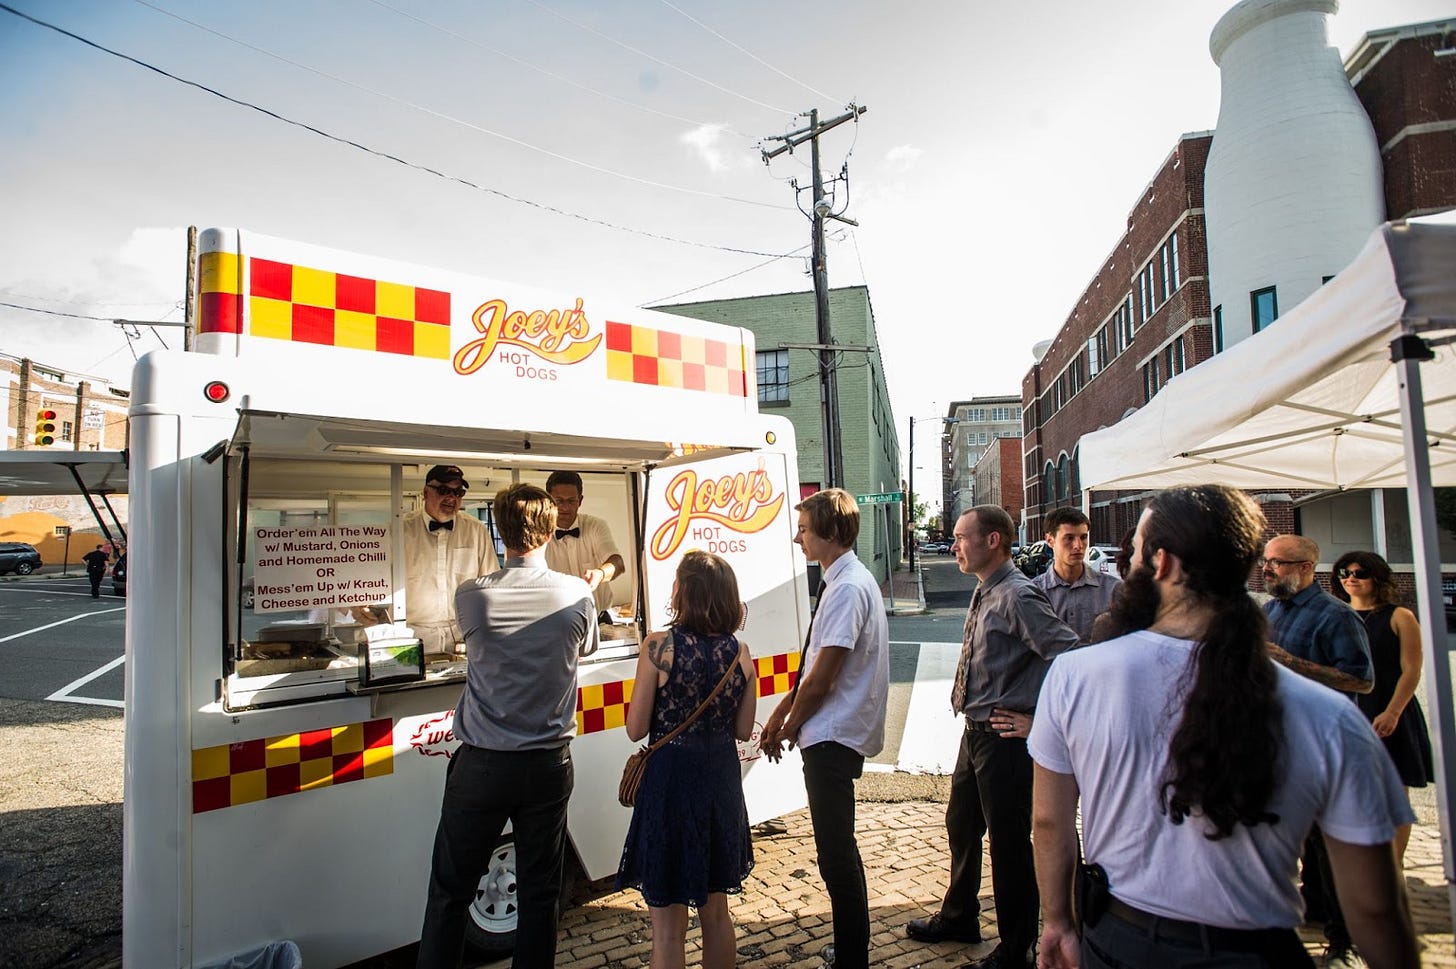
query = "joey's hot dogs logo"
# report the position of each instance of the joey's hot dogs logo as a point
(744, 502)
(533, 343)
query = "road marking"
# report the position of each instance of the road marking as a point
(63, 694)
(931, 738)
(59, 592)
(60, 622)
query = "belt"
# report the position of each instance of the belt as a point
(1196, 933)
(980, 726)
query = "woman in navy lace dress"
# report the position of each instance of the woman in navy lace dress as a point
(688, 844)
(1366, 582)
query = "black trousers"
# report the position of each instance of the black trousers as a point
(830, 770)
(484, 789)
(1115, 944)
(990, 793)
(95, 578)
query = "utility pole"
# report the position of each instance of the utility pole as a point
(822, 208)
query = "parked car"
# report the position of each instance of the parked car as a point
(18, 557)
(1103, 558)
(1448, 594)
(118, 576)
(938, 547)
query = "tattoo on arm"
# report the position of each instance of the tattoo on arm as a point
(658, 652)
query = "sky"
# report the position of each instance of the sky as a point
(606, 147)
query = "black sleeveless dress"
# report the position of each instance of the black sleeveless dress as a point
(1409, 745)
(689, 833)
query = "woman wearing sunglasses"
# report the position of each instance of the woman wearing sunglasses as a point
(1364, 580)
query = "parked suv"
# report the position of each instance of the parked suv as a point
(118, 576)
(18, 557)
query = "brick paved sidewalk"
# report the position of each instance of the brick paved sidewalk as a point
(782, 916)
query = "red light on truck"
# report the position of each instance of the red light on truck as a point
(216, 391)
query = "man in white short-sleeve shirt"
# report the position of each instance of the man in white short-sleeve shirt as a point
(836, 713)
(1200, 766)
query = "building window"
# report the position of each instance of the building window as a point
(1063, 479)
(1049, 482)
(1005, 413)
(1094, 358)
(976, 414)
(1263, 307)
(1145, 295)
(1074, 375)
(1218, 329)
(1173, 260)
(1150, 379)
(66, 431)
(773, 376)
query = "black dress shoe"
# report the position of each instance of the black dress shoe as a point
(937, 929)
(998, 959)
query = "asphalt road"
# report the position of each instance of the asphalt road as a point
(61, 692)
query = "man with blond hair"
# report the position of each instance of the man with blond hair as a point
(836, 712)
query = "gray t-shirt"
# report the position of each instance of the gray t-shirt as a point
(525, 626)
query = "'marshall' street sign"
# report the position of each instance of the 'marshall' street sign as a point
(885, 498)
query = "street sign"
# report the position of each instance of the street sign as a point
(62, 531)
(885, 498)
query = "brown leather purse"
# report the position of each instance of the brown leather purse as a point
(636, 765)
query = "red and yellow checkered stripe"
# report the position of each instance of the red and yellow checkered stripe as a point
(255, 770)
(661, 358)
(603, 706)
(304, 305)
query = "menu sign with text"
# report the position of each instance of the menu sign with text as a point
(335, 566)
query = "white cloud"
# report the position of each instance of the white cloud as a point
(707, 141)
(902, 158)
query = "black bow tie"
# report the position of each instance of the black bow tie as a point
(573, 532)
(435, 526)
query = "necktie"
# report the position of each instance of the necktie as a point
(963, 669)
(564, 532)
(435, 526)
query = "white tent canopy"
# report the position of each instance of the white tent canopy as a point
(1312, 402)
(1354, 388)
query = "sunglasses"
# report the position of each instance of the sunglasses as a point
(447, 492)
(1356, 574)
(1280, 563)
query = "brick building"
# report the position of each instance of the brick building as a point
(91, 415)
(1143, 319)
(788, 383)
(1147, 316)
(997, 476)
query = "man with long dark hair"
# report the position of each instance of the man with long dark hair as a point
(1200, 766)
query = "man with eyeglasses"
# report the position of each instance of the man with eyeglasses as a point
(1321, 638)
(582, 545)
(442, 549)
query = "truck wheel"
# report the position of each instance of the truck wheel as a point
(24, 568)
(491, 927)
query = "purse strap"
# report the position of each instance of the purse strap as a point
(727, 675)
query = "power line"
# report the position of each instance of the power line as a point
(460, 121)
(497, 52)
(746, 51)
(657, 60)
(382, 154)
(722, 279)
(86, 302)
(74, 316)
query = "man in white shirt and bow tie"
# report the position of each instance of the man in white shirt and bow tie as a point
(582, 544)
(442, 549)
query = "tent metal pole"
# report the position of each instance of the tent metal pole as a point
(1406, 353)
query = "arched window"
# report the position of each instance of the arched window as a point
(1063, 477)
(1049, 484)
(1076, 474)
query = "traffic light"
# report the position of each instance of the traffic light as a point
(45, 427)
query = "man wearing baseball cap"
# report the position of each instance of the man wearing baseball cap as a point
(442, 549)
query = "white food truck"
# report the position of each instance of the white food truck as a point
(283, 776)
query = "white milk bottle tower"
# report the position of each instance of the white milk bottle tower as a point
(1293, 182)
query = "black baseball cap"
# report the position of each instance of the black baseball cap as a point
(446, 473)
